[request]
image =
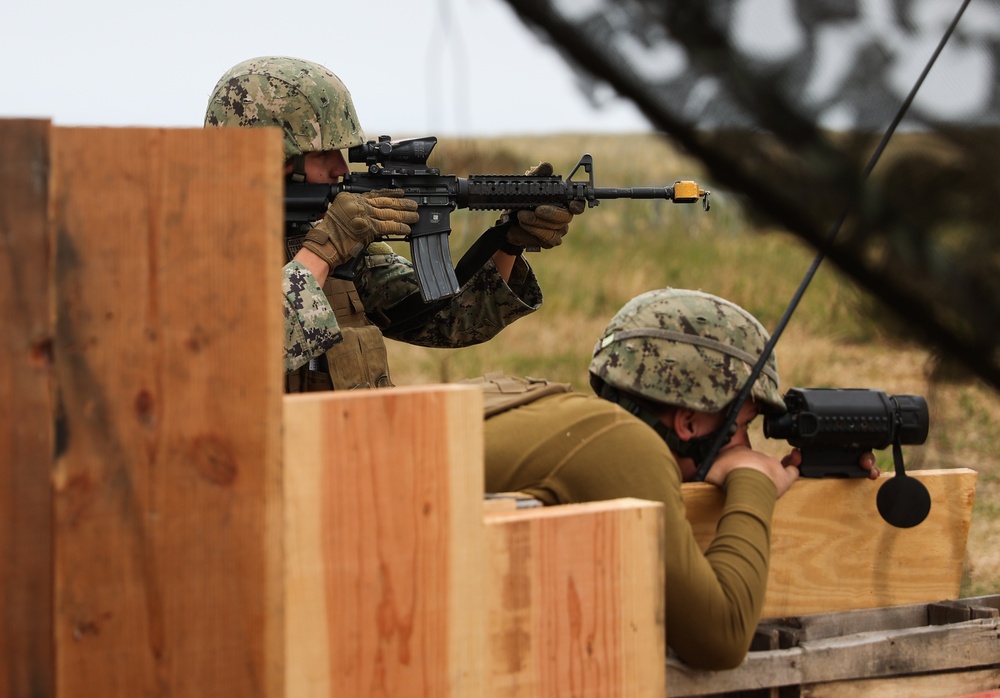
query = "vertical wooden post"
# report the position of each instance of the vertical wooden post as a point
(26, 438)
(384, 538)
(168, 387)
(575, 599)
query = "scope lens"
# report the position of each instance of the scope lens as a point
(914, 419)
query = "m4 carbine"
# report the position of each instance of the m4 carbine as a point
(403, 165)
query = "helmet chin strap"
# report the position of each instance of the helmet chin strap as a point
(298, 174)
(696, 448)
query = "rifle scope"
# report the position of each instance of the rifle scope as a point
(849, 418)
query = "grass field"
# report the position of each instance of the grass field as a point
(838, 337)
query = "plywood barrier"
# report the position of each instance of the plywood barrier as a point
(384, 540)
(575, 600)
(831, 551)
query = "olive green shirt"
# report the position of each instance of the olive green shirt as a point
(573, 447)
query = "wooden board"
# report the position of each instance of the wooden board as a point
(384, 538)
(26, 436)
(167, 262)
(831, 551)
(970, 683)
(575, 600)
(889, 651)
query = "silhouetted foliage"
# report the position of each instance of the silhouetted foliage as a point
(786, 101)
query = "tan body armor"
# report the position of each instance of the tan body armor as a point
(359, 361)
(502, 392)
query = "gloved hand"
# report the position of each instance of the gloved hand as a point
(353, 221)
(545, 226)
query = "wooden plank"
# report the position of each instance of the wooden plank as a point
(959, 646)
(951, 683)
(575, 598)
(956, 610)
(26, 435)
(974, 643)
(830, 550)
(824, 625)
(384, 541)
(783, 633)
(167, 348)
(916, 650)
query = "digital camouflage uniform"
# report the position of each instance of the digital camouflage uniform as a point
(315, 112)
(484, 306)
(674, 348)
(310, 323)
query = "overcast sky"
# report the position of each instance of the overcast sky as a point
(414, 67)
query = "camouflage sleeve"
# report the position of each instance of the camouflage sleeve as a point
(485, 305)
(310, 325)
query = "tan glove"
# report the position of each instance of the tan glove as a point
(545, 226)
(353, 221)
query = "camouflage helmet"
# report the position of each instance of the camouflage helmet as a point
(687, 349)
(310, 104)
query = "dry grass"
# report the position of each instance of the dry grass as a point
(622, 248)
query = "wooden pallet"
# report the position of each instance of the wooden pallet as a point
(948, 648)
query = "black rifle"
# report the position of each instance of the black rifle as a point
(834, 427)
(403, 165)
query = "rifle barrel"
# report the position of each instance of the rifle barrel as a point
(633, 193)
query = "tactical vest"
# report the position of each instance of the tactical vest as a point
(359, 361)
(502, 392)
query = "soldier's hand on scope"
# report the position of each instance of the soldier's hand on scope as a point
(547, 225)
(867, 462)
(782, 473)
(353, 221)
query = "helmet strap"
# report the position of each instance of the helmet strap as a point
(647, 416)
(298, 163)
(696, 448)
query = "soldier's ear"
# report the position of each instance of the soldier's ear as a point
(684, 424)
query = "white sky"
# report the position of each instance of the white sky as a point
(414, 67)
